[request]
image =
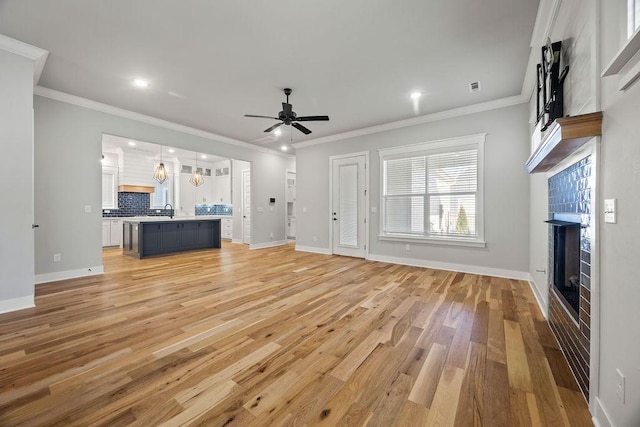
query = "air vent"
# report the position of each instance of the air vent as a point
(264, 140)
(474, 86)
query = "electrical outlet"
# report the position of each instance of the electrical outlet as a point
(315, 239)
(271, 236)
(57, 257)
(620, 385)
(87, 208)
(407, 248)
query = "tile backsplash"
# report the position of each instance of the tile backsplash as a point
(204, 209)
(138, 204)
(134, 204)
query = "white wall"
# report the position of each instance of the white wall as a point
(506, 190)
(619, 247)
(16, 183)
(68, 146)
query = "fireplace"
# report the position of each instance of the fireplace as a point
(565, 274)
(569, 268)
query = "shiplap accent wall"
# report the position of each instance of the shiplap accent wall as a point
(136, 168)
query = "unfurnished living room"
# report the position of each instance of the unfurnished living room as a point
(243, 213)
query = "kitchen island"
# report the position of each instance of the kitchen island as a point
(148, 236)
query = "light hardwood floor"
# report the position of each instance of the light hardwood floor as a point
(277, 337)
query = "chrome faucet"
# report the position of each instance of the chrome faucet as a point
(170, 210)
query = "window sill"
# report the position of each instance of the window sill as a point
(448, 241)
(626, 63)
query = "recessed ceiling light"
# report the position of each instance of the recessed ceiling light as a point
(277, 132)
(171, 150)
(131, 143)
(140, 83)
(416, 95)
(204, 156)
(284, 148)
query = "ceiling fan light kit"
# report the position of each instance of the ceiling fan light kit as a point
(288, 117)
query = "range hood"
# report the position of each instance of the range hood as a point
(565, 136)
(135, 189)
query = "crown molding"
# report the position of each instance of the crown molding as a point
(427, 118)
(127, 114)
(37, 55)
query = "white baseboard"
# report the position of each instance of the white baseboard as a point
(16, 304)
(544, 305)
(312, 249)
(463, 268)
(601, 418)
(237, 241)
(68, 274)
(267, 244)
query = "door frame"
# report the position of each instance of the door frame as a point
(286, 207)
(366, 198)
(242, 206)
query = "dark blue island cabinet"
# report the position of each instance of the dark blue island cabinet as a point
(155, 237)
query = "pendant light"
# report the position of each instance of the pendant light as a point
(160, 173)
(196, 178)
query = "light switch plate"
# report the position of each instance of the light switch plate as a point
(610, 214)
(87, 208)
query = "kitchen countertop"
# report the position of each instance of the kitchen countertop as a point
(139, 219)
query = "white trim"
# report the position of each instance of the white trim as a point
(427, 118)
(37, 55)
(447, 241)
(237, 241)
(463, 268)
(127, 114)
(626, 63)
(267, 244)
(544, 305)
(600, 416)
(15, 304)
(69, 274)
(314, 250)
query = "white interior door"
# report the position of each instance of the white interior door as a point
(348, 214)
(246, 206)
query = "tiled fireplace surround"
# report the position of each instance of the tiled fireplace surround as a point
(570, 192)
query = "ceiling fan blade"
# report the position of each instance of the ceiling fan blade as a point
(261, 117)
(312, 118)
(287, 108)
(301, 128)
(273, 127)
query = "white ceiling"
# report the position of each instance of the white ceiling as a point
(211, 62)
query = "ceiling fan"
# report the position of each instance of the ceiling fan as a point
(288, 117)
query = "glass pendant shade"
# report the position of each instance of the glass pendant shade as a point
(197, 179)
(160, 174)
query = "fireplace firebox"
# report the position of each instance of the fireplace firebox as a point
(566, 264)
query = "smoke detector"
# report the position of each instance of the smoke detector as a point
(474, 86)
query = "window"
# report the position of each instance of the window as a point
(633, 16)
(433, 191)
(161, 195)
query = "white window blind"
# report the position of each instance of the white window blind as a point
(432, 191)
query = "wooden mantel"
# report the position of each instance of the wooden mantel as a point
(136, 189)
(564, 137)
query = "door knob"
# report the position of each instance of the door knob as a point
(35, 225)
(335, 219)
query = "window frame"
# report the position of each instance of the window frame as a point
(113, 172)
(476, 141)
(633, 23)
